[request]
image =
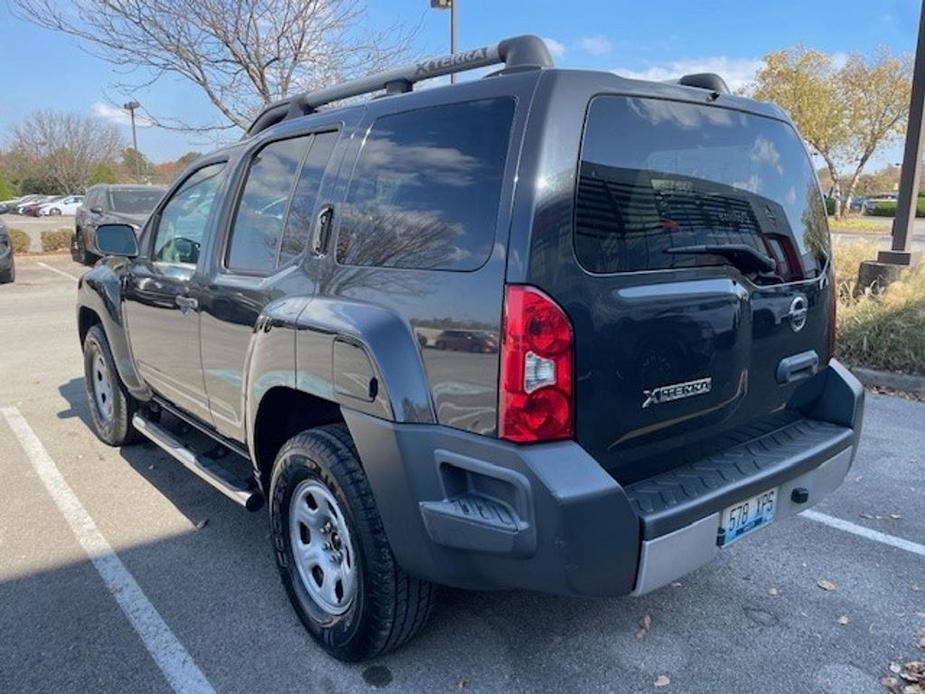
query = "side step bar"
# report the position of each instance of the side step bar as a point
(248, 496)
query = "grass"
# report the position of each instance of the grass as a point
(883, 330)
(859, 223)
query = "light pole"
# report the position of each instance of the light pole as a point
(889, 264)
(130, 107)
(451, 6)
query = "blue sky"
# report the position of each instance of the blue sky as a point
(41, 69)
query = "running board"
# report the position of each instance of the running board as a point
(249, 497)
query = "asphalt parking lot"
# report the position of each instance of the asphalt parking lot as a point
(121, 571)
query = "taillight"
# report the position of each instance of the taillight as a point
(536, 392)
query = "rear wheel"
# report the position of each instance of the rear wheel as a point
(111, 406)
(332, 552)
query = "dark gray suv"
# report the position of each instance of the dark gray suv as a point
(105, 204)
(549, 329)
(7, 261)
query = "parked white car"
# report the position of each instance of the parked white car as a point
(66, 205)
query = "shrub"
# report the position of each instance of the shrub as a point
(887, 208)
(829, 206)
(57, 240)
(883, 330)
(20, 240)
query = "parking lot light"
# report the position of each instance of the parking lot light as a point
(451, 6)
(130, 107)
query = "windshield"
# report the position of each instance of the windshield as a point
(658, 175)
(135, 200)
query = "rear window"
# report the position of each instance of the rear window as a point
(426, 188)
(140, 201)
(658, 175)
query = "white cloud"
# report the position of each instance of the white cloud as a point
(738, 72)
(119, 116)
(556, 48)
(596, 45)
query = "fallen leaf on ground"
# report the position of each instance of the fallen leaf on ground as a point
(676, 584)
(644, 625)
(892, 684)
(662, 681)
(773, 591)
(201, 524)
(843, 619)
(896, 668)
(827, 585)
(461, 683)
(895, 516)
(867, 516)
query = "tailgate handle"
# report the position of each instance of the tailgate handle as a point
(797, 366)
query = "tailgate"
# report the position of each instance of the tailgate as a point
(705, 294)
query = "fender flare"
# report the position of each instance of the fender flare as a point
(100, 292)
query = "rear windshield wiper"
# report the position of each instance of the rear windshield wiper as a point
(746, 258)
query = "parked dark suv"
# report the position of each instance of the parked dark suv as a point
(655, 261)
(107, 204)
(7, 261)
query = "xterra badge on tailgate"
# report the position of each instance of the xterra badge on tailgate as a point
(676, 391)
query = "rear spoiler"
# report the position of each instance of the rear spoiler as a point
(703, 80)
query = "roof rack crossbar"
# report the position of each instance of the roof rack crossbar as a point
(516, 52)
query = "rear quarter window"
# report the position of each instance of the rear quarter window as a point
(426, 188)
(657, 174)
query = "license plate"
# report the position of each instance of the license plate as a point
(746, 516)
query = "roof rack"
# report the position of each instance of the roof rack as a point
(518, 52)
(704, 80)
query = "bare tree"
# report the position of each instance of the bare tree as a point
(65, 146)
(242, 54)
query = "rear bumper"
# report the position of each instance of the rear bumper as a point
(475, 512)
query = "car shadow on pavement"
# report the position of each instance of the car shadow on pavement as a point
(191, 497)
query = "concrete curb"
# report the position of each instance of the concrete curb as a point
(888, 379)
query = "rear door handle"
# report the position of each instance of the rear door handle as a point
(797, 366)
(323, 230)
(187, 304)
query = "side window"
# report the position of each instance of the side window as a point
(299, 221)
(258, 224)
(182, 222)
(426, 188)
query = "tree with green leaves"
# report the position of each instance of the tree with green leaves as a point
(845, 110)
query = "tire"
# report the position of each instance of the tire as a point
(9, 275)
(54, 212)
(111, 408)
(81, 254)
(381, 606)
(441, 345)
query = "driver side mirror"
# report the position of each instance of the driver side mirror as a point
(117, 239)
(96, 210)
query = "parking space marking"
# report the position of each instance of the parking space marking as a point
(60, 272)
(182, 673)
(866, 533)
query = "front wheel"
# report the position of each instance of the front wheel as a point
(81, 254)
(9, 275)
(111, 406)
(54, 212)
(332, 552)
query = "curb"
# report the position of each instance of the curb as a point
(889, 379)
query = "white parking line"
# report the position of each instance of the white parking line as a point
(171, 657)
(60, 272)
(866, 533)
